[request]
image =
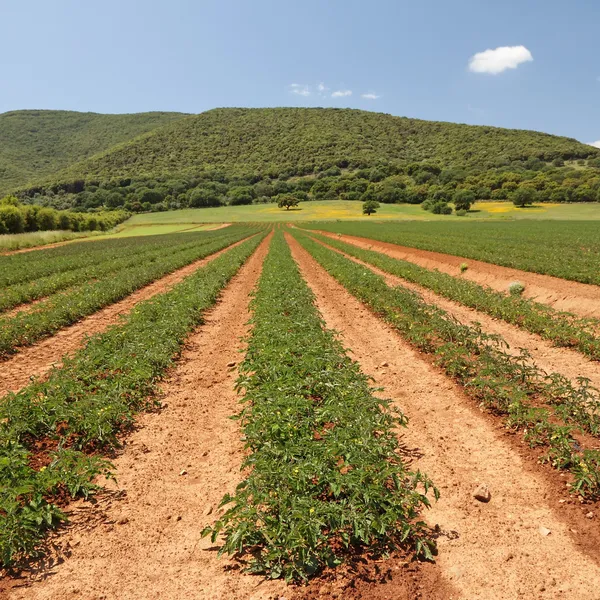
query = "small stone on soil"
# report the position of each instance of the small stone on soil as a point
(544, 531)
(231, 364)
(589, 515)
(482, 493)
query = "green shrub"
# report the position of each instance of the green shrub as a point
(12, 219)
(516, 288)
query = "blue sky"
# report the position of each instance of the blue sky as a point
(190, 56)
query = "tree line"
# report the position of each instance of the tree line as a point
(429, 184)
(18, 218)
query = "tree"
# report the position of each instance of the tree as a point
(146, 195)
(369, 207)
(287, 201)
(63, 221)
(441, 208)
(203, 196)
(390, 191)
(114, 200)
(12, 218)
(241, 195)
(264, 188)
(463, 199)
(9, 201)
(523, 196)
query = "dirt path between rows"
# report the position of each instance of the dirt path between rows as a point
(493, 550)
(37, 360)
(552, 359)
(174, 471)
(579, 298)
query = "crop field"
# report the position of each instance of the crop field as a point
(569, 250)
(302, 410)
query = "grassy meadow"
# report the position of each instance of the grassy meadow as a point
(331, 210)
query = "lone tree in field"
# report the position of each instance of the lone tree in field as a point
(370, 207)
(287, 201)
(463, 200)
(523, 196)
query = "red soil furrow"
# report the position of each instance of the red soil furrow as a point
(37, 360)
(571, 296)
(174, 471)
(551, 359)
(496, 550)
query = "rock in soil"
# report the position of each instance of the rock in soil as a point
(482, 493)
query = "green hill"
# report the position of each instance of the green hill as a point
(34, 144)
(299, 141)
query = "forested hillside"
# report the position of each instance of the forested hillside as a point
(300, 141)
(36, 143)
(244, 156)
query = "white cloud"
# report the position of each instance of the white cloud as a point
(322, 88)
(370, 96)
(595, 144)
(500, 59)
(300, 89)
(341, 93)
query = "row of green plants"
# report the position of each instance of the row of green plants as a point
(65, 308)
(561, 328)
(53, 433)
(148, 252)
(326, 476)
(527, 245)
(508, 385)
(32, 266)
(19, 218)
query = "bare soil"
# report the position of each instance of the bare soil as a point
(496, 550)
(38, 359)
(171, 477)
(578, 298)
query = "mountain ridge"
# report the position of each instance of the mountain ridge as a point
(272, 141)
